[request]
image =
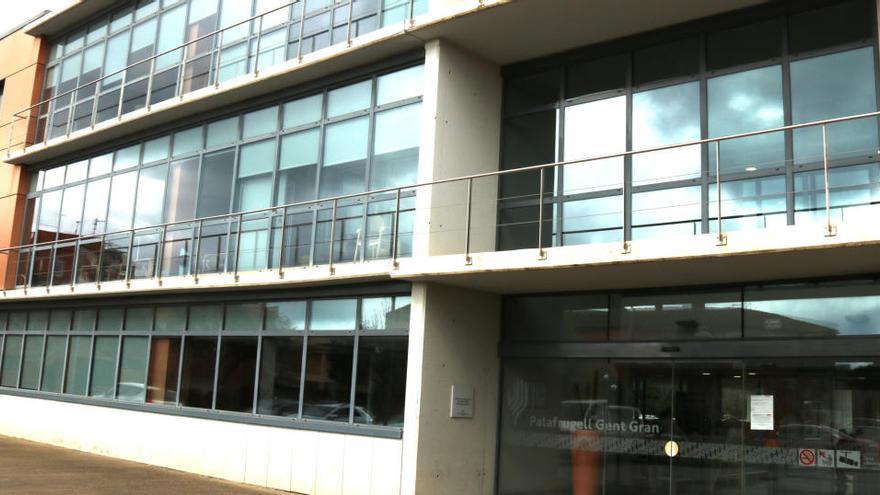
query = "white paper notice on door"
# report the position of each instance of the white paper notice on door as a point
(762, 412)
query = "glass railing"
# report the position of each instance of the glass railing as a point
(833, 181)
(244, 48)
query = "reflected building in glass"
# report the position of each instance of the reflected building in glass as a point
(395, 247)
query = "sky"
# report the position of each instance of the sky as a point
(23, 10)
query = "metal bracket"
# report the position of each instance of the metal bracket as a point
(830, 230)
(721, 240)
(542, 254)
(627, 248)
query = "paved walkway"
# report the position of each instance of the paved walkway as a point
(34, 468)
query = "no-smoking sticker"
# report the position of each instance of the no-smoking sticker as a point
(807, 457)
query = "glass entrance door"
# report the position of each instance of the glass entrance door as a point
(686, 427)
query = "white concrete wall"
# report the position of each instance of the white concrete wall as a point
(295, 460)
(454, 338)
(460, 135)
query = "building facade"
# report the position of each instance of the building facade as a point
(448, 246)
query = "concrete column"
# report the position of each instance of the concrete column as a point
(454, 336)
(461, 126)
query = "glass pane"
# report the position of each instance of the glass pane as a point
(745, 44)
(699, 315)
(133, 369)
(669, 60)
(122, 198)
(260, 122)
(396, 148)
(11, 361)
(103, 383)
(286, 315)
(327, 393)
(247, 317)
(345, 154)
(299, 162)
(110, 320)
(667, 212)
(76, 376)
(139, 319)
(127, 157)
(280, 373)
(172, 29)
(156, 150)
(215, 186)
(223, 132)
(662, 117)
(53, 364)
(384, 313)
(303, 111)
(151, 186)
(76, 171)
(333, 314)
(170, 318)
(844, 22)
(593, 220)
(235, 377)
(18, 321)
(38, 321)
(30, 367)
(257, 158)
(95, 208)
(180, 202)
(531, 91)
(163, 373)
(854, 193)
(556, 318)
(100, 165)
(84, 320)
(188, 141)
(400, 85)
(349, 99)
(828, 309)
(205, 318)
(749, 204)
(832, 86)
(743, 102)
(71, 209)
(592, 129)
(59, 320)
(381, 381)
(197, 374)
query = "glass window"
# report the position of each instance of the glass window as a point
(743, 102)
(662, 117)
(139, 319)
(280, 373)
(215, 186)
(71, 209)
(385, 313)
(254, 174)
(826, 309)
(18, 321)
(745, 44)
(110, 319)
(76, 171)
(843, 22)
(594, 220)
(222, 132)
(349, 99)
(151, 187)
(197, 374)
(700, 315)
(100, 165)
(122, 197)
(235, 377)
(163, 373)
(143, 37)
(396, 148)
(286, 315)
(170, 318)
(302, 111)
(676, 59)
(381, 381)
(830, 86)
(103, 383)
(133, 369)
(59, 320)
(345, 155)
(556, 318)
(400, 85)
(188, 141)
(531, 91)
(593, 129)
(749, 204)
(95, 208)
(854, 193)
(53, 363)
(11, 361)
(157, 149)
(115, 60)
(333, 314)
(38, 321)
(299, 162)
(76, 376)
(172, 28)
(260, 122)
(327, 393)
(667, 212)
(54, 177)
(127, 157)
(182, 181)
(84, 320)
(244, 317)
(205, 317)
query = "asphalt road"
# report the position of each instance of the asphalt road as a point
(34, 468)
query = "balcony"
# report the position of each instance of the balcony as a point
(463, 231)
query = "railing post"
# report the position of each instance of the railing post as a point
(467, 222)
(11, 127)
(70, 112)
(259, 41)
(160, 254)
(237, 250)
(219, 56)
(302, 22)
(75, 265)
(121, 94)
(100, 261)
(182, 70)
(281, 247)
(830, 229)
(51, 277)
(626, 244)
(395, 232)
(150, 83)
(412, 10)
(198, 249)
(722, 237)
(94, 118)
(542, 255)
(129, 265)
(332, 237)
(350, 11)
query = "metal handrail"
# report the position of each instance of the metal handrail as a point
(152, 59)
(375, 192)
